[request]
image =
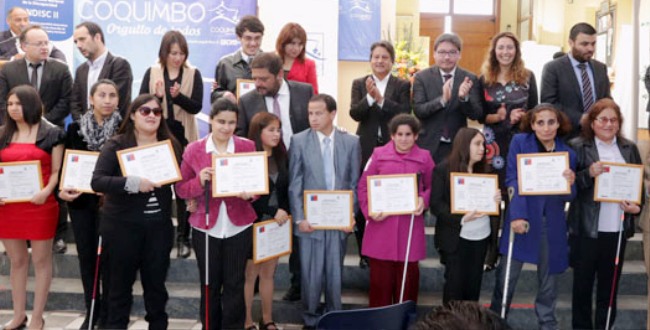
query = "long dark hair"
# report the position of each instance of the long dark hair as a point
(32, 111)
(459, 156)
(258, 123)
(128, 126)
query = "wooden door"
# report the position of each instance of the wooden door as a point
(475, 31)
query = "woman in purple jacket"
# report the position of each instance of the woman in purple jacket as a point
(229, 230)
(386, 236)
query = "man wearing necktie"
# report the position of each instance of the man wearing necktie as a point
(444, 97)
(574, 82)
(18, 20)
(321, 158)
(50, 77)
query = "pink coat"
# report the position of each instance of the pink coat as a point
(195, 159)
(386, 240)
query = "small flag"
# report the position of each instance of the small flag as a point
(461, 180)
(377, 183)
(75, 159)
(261, 230)
(223, 162)
(2, 170)
(130, 157)
(528, 161)
(606, 169)
(313, 198)
(247, 85)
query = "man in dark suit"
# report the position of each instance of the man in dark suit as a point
(18, 20)
(444, 96)
(101, 64)
(321, 158)
(286, 99)
(50, 77)
(575, 93)
(376, 99)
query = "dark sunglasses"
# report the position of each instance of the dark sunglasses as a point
(145, 111)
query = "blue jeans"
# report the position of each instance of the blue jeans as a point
(546, 285)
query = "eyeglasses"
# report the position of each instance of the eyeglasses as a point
(605, 120)
(145, 111)
(39, 44)
(451, 53)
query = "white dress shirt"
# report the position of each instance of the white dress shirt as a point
(609, 217)
(94, 68)
(284, 98)
(381, 86)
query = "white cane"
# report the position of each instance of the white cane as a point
(511, 242)
(615, 277)
(208, 186)
(406, 258)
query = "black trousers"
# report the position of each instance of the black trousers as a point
(464, 271)
(593, 259)
(444, 149)
(138, 245)
(294, 263)
(62, 224)
(182, 217)
(360, 221)
(227, 269)
(85, 225)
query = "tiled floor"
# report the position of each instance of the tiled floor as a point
(67, 320)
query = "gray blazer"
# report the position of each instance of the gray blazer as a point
(560, 87)
(306, 170)
(427, 93)
(253, 102)
(55, 88)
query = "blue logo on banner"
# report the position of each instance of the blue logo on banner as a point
(359, 27)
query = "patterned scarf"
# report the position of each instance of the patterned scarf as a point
(94, 134)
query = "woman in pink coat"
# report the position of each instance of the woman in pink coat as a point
(386, 236)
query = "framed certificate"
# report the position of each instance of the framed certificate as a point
(78, 167)
(541, 173)
(473, 192)
(20, 181)
(392, 194)
(237, 173)
(329, 209)
(155, 162)
(619, 182)
(270, 240)
(244, 86)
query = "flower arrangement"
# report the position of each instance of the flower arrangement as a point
(407, 59)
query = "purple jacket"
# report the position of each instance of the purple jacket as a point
(195, 159)
(386, 240)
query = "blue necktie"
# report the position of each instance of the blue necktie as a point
(328, 164)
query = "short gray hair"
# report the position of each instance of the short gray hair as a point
(452, 38)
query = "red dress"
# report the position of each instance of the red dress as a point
(26, 220)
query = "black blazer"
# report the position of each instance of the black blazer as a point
(281, 189)
(584, 211)
(447, 225)
(253, 102)
(119, 205)
(55, 89)
(115, 68)
(8, 48)
(427, 93)
(560, 87)
(397, 99)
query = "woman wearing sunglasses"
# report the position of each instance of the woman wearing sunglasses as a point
(136, 225)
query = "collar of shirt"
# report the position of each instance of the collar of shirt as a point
(381, 83)
(30, 62)
(574, 62)
(99, 61)
(210, 147)
(600, 142)
(322, 136)
(244, 56)
(452, 73)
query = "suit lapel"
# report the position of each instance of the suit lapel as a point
(42, 88)
(317, 159)
(104, 72)
(390, 87)
(573, 79)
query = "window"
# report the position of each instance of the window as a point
(458, 7)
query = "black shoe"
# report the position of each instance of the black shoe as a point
(59, 246)
(363, 262)
(183, 249)
(293, 294)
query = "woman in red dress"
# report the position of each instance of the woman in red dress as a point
(27, 137)
(290, 45)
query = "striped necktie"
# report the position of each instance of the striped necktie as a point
(587, 92)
